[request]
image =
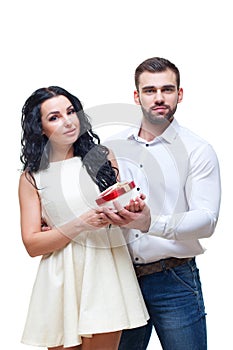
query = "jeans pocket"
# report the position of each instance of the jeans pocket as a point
(187, 276)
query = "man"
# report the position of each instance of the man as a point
(179, 174)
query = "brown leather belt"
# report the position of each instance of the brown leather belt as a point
(159, 266)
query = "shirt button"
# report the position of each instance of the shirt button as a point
(137, 235)
(138, 188)
(147, 145)
(141, 166)
(136, 259)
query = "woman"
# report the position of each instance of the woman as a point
(85, 291)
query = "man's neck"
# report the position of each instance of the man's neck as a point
(149, 131)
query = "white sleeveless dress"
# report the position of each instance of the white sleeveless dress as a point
(89, 286)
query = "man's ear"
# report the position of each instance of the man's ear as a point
(136, 97)
(180, 95)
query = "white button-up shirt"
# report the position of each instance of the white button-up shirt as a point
(179, 174)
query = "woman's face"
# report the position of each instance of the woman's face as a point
(59, 121)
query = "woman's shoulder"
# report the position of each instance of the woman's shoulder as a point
(23, 177)
(26, 182)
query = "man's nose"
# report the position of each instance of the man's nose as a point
(159, 96)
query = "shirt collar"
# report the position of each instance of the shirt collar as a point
(168, 135)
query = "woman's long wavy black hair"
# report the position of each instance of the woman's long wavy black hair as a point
(35, 145)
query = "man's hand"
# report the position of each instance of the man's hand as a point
(135, 215)
(44, 226)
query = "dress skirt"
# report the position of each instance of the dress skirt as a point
(88, 287)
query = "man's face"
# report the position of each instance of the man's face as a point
(158, 96)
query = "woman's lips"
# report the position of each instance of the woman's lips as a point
(70, 131)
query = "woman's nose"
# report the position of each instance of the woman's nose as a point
(67, 121)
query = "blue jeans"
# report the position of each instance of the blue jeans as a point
(175, 303)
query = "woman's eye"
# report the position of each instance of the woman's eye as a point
(53, 118)
(71, 111)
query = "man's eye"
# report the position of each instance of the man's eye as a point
(150, 91)
(169, 89)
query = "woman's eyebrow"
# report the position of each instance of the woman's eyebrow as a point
(52, 112)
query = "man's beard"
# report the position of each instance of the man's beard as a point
(161, 119)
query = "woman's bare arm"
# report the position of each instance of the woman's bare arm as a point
(38, 241)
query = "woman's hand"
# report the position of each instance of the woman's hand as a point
(93, 219)
(90, 220)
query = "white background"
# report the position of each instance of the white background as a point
(91, 48)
